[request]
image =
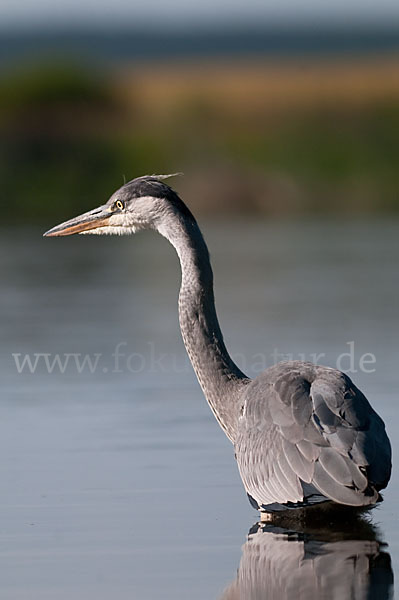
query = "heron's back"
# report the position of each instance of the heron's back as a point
(307, 434)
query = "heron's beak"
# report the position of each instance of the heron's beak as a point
(93, 219)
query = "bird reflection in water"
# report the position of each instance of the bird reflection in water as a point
(281, 563)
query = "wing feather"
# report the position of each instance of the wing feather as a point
(290, 476)
(302, 467)
(340, 493)
(336, 466)
(309, 428)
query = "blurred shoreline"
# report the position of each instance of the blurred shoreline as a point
(255, 132)
(127, 43)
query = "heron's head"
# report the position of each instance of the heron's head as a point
(143, 203)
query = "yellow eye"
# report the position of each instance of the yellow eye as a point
(119, 205)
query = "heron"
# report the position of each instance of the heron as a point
(303, 434)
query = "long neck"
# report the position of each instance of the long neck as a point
(219, 377)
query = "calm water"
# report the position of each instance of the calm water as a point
(116, 480)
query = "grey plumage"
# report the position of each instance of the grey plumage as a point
(303, 423)
(302, 433)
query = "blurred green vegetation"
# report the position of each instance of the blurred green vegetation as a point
(50, 85)
(69, 135)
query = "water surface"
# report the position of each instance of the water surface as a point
(117, 480)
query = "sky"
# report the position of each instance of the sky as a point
(185, 13)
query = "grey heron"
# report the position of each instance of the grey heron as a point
(303, 434)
